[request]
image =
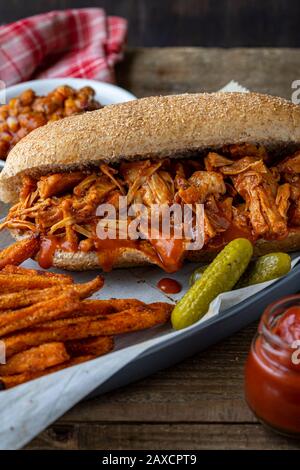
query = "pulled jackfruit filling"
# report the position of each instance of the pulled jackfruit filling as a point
(243, 190)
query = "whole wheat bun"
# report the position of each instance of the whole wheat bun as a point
(129, 257)
(157, 127)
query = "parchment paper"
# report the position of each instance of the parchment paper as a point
(28, 409)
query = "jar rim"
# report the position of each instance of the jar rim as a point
(271, 314)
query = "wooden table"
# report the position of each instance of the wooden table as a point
(198, 404)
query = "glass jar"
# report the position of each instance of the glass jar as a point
(272, 372)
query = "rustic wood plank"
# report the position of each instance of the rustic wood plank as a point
(153, 71)
(187, 22)
(57, 437)
(198, 404)
(207, 387)
(163, 437)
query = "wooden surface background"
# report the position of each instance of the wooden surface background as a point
(199, 403)
(214, 23)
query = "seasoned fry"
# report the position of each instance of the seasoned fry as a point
(19, 252)
(36, 359)
(46, 325)
(9, 381)
(124, 304)
(11, 269)
(16, 282)
(134, 319)
(88, 288)
(95, 308)
(162, 308)
(104, 307)
(15, 300)
(96, 346)
(62, 305)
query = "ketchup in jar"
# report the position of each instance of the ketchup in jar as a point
(272, 373)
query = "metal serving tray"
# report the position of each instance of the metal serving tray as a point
(207, 334)
(194, 340)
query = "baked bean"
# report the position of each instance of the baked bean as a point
(4, 112)
(25, 109)
(57, 98)
(56, 116)
(29, 111)
(44, 105)
(32, 120)
(3, 126)
(66, 91)
(4, 146)
(13, 123)
(27, 97)
(14, 103)
(21, 133)
(70, 107)
(5, 136)
(87, 90)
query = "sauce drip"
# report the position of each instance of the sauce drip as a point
(48, 247)
(46, 253)
(170, 251)
(169, 286)
(222, 239)
(108, 251)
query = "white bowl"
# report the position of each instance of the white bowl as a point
(105, 92)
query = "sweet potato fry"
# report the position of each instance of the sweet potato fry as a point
(35, 359)
(104, 307)
(15, 300)
(63, 305)
(124, 304)
(19, 251)
(16, 282)
(9, 381)
(134, 319)
(11, 269)
(88, 288)
(95, 346)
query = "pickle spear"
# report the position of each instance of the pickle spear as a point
(265, 268)
(220, 276)
(197, 274)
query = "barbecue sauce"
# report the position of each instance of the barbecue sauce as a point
(169, 286)
(47, 250)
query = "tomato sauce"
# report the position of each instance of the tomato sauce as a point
(169, 286)
(288, 326)
(272, 374)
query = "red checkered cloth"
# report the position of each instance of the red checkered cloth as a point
(82, 43)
